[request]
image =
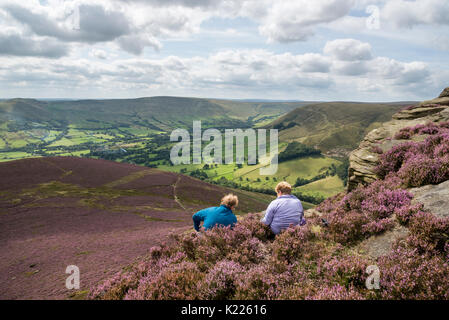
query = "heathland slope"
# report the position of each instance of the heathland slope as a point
(386, 238)
(99, 215)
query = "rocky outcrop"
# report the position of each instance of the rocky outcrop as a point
(363, 160)
(445, 93)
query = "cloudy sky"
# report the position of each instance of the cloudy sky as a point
(291, 49)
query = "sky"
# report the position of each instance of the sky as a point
(321, 50)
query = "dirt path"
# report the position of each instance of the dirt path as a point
(175, 196)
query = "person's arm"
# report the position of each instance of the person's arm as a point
(234, 221)
(302, 220)
(301, 209)
(197, 218)
(269, 214)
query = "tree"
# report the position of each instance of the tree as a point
(297, 150)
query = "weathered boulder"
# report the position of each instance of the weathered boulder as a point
(380, 245)
(419, 112)
(444, 101)
(435, 198)
(364, 159)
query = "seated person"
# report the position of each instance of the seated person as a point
(286, 210)
(217, 216)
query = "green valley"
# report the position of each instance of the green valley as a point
(137, 131)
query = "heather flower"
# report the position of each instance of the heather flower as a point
(347, 227)
(251, 251)
(175, 282)
(262, 283)
(403, 134)
(377, 149)
(290, 244)
(378, 226)
(405, 213)
(220, 282)
(336, 292)
(408, 274)
(428, 232)
(392, 160)
(423, 170)
(419, 163)
(346, 270)
(116, 287)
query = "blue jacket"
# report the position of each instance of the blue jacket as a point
(282, 212)
(214, 216)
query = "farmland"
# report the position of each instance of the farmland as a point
(137, 131)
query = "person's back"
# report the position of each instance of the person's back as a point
(286, 210)
(217, 216)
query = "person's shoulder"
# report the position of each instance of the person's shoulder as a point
(292, 197)
(275, 201)
(206, 210)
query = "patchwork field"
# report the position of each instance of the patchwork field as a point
(137, 131)
(99, 215)
(290, 171)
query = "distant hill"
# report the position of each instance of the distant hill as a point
(333, 126)
(161, 113)
(59, 211)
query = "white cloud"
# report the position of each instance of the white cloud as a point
(348, 49)
(98, 53)
(406, 14)
(136, 44)
(225, 73)
(294, 20)
(294, 63)
(16, 44)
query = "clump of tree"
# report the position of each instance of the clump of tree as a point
(284, 126)
(199, 174)
(342, 171)
(296, 150)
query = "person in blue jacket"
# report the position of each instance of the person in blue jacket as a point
(217, 216)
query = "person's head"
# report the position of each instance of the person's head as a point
(283, 188)
(230, 200)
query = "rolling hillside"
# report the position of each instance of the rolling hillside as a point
(158, 113)
(137, 131)
(30, 128)
(60, 211)
(333, 126)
